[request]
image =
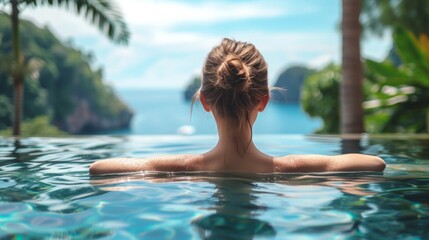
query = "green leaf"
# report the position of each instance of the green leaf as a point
(412, 56)
(390, 75)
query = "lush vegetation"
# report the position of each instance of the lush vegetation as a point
(402, 92)
(39, 126)
(59, 79)
(379, 15)
(320, 97)
(396, 90)
(102, 13)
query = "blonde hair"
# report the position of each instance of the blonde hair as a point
(234, 81)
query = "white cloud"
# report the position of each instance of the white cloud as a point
(121, 59)
(181, 57)
(172, 13)
(321, 61)
(151, 15)
(166, 72)
(182, 40)
(162, 54)
(61, 21)
(292, 42)
(281, 49)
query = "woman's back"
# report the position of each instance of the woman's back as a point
(235, 90)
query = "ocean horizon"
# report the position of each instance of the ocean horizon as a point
(166, 112)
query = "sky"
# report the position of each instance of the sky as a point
(171, 38)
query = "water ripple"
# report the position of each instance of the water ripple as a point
(46, 192)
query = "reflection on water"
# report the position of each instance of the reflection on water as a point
(235, 214)
(350, 146)
(46, 192)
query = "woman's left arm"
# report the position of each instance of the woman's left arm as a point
(323, 163)
(357, 162)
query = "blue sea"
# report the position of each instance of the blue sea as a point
(165, 111)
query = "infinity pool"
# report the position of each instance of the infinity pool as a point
(46, 192)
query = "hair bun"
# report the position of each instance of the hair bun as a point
(233, 74)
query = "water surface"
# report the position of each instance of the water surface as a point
(46, 192)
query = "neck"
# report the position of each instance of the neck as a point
(234, 142)
(235, 150)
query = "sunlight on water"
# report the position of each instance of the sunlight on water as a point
(46, 192)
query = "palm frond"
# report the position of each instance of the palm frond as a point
(103, 13)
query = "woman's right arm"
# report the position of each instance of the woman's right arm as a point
(322, 163)
(119, 165)
(122, 165)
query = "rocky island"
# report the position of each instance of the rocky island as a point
(289, 83)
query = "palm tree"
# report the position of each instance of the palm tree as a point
(351, 90)
(102, 13)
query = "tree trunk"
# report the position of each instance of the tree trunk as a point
(351, 91)
(427, 120)
(17, 70)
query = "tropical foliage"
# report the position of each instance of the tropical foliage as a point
(396, 91)
(396, 96)
(65, 79)
(102, 13)
(379, 15)
(320, 97)
(402, 92)
(39, 126)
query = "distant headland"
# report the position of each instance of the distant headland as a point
(67, 88)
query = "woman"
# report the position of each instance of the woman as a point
(235, 89)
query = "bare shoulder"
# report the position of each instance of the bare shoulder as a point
(324, 163)
(180, 162)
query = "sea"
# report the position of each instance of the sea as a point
(166, 112)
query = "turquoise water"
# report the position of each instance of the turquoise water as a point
(47, 193)
(165, 111)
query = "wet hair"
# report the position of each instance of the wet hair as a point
(234, 81)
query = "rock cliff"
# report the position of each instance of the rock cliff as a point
(290, 82)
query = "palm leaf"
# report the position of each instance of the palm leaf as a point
(388, 74)
(103, 13)
(403, 116)
(411, 55)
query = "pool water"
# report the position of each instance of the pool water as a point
(46, 192)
